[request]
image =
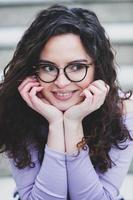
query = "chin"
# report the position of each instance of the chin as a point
(62, 108)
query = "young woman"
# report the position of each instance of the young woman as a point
(65, 124)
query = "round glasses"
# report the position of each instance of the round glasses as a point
(48, 72)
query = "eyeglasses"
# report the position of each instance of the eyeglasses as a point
(48, 72)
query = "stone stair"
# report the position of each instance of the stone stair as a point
(115, 15)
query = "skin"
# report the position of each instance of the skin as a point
(55, 51)
(64, 117)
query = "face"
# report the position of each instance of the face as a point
(62, 49)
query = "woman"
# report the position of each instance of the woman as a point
(65, 123)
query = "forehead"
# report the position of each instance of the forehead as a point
(64, 48)
(71, 63)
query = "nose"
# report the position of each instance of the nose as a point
(62, 80)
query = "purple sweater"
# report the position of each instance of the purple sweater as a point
(60, 174)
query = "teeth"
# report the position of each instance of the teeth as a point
(64, 94)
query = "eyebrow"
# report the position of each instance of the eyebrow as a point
(71, 62)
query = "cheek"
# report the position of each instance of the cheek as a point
(47, 86)
(88, 79)
(85, 83)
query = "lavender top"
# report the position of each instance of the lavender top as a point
(61, 173)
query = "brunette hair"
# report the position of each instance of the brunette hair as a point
(21, 127)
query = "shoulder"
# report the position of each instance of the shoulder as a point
(128, 105)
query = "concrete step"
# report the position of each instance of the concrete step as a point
(4, 166)
(123, 73)
(123, 54)
(120, 34)
(110, 11)
(121, 37)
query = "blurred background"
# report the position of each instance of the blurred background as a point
(117, 18)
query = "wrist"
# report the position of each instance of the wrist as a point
(73, 135)
(56, 123)
(72, 125)
(56, 128)
(72, 122)
(56, 136)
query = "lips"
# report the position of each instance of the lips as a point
(63, 95)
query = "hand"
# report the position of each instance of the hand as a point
(30, 90)
(95, 96)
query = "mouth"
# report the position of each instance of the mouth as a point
(64, 95)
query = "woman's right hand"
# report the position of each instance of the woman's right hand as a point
(29, 90)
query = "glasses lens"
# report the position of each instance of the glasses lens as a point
(76, 72)
(47, 72)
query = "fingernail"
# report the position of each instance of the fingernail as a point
(34, 76)
(81, 94)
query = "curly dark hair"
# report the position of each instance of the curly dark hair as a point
(21, 127)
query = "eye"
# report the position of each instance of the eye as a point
(48, 68)
(77, 67)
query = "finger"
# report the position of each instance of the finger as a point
(27, 87)
(27, 80)
(87, 101)
(88, 94)
(40, 95)
(24, 92)
(108, 88)
(99, 96)
(33, 95)
(100, 84)
(26, 98)
(95, 90)
(46, 101)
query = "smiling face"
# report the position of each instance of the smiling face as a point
(61, 50)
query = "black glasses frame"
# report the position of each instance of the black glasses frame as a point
(37, 67)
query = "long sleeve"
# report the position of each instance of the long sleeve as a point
(85, 183)
(47, 181)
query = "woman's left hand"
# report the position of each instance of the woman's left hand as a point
(95, 95)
